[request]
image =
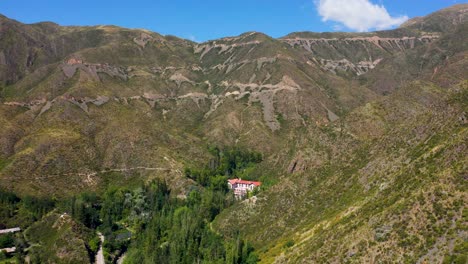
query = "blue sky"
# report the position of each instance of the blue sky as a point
(202, 20)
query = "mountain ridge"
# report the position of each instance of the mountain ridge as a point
(361, 134)
(241, 60)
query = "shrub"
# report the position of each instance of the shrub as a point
(289, 244)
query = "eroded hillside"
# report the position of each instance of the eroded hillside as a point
(363, 135)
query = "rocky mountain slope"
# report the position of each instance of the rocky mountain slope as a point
(363, 134)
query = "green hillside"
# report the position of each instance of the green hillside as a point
(359, 140)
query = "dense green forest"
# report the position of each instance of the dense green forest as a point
(146, 223)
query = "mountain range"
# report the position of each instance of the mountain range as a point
(363, 135)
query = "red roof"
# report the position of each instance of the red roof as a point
(240, 181)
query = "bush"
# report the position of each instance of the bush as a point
(289, 244)
(94, 244)
(6, 240)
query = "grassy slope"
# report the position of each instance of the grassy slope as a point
(58, 239)
(368, 201)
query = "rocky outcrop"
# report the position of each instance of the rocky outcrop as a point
(46, 107)
(151, 98)
(357, 55)
(83, 102)
(196, 97)
(34, 104)
(204, 48)
(229, 66)
(387, 44)
(143, 39)
(263, 93)
(70, 67)
(178, 78)
(345, 65)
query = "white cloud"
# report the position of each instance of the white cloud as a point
(359, 15)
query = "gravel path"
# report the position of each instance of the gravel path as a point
(100, 254)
